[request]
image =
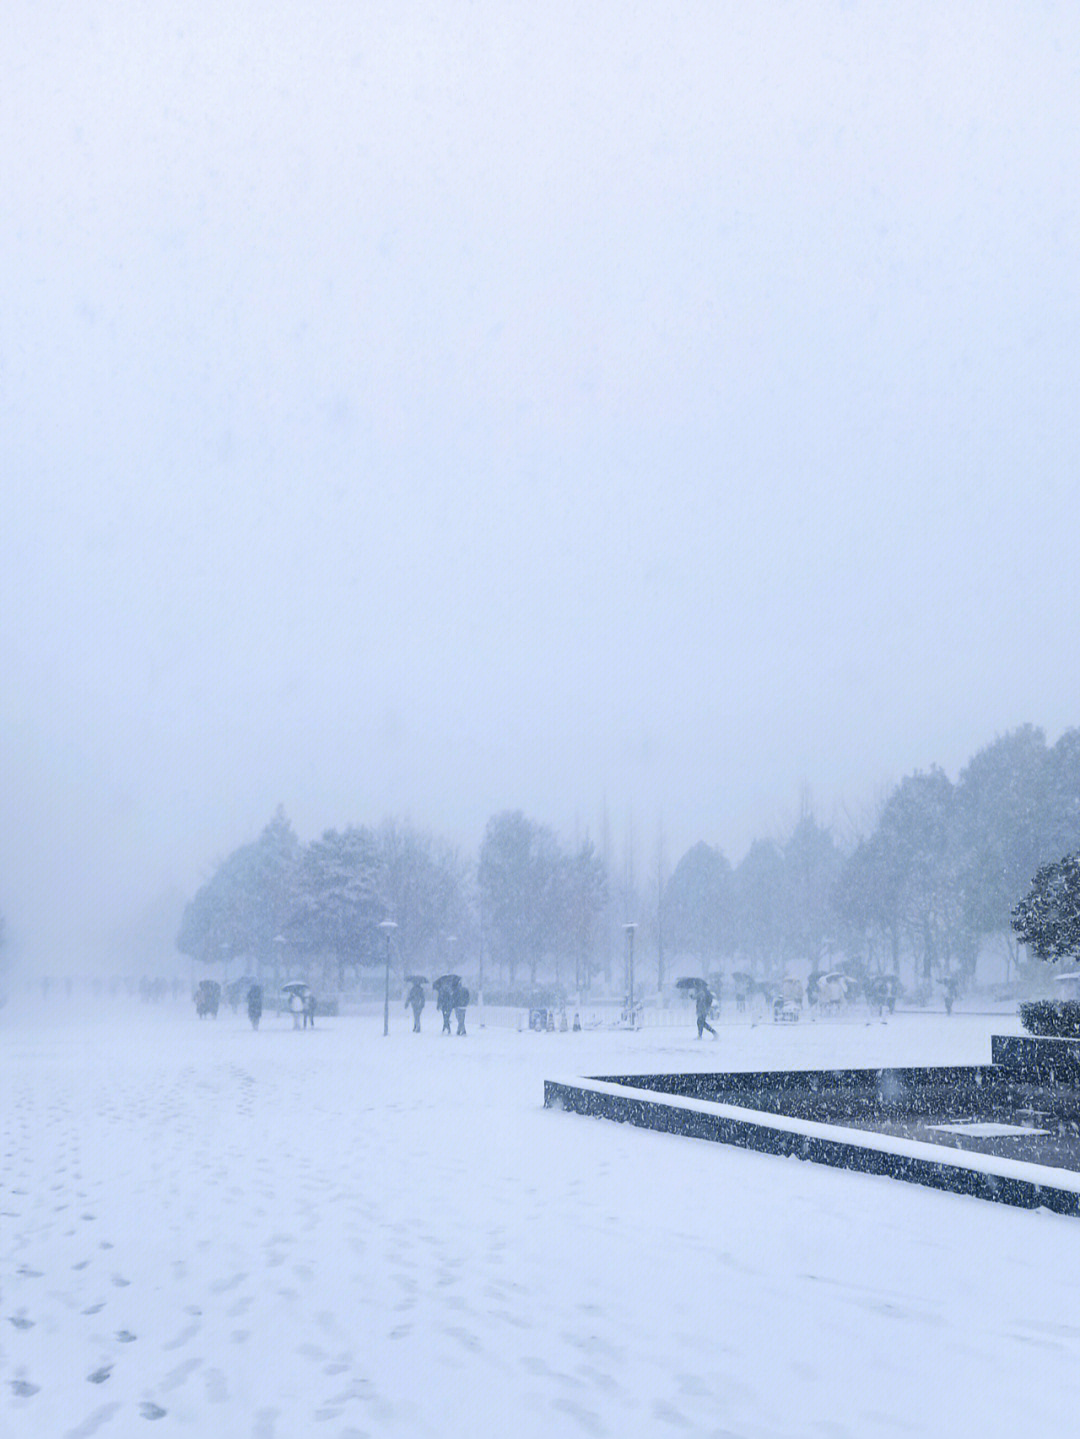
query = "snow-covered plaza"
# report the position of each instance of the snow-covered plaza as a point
(275, 1234)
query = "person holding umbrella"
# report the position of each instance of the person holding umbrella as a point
(461, 1001)
(703, 1002)
(414, 1000)
(297, 991)
(446, 987)
(254, 1005)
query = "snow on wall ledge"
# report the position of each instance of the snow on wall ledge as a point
(982, 1176)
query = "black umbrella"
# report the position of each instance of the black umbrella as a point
(295, 986)
(415, 979)
(690, 983)
(448, 981)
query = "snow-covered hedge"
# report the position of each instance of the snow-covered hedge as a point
(1060, 1018)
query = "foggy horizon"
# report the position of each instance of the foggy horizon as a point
(426, 412)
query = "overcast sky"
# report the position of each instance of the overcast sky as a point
(433, 409)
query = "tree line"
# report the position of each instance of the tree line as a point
(935, 877)
(276, 903)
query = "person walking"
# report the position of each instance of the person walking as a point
(446, 1007)
(414, 1000)
(951, 986)
(296, 1009)
(309, 1009)
(254, 1005)
(703, 1004)
(461, 1002)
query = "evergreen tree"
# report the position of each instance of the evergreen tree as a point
(811, 866)
(1005, 821)
(422, 886)
(757, 893)
(340, 900)
(517, 880)
(1048, 916)
(246, 902)
(697, 905)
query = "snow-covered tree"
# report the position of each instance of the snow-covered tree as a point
(867, 901)
(697, 905)
(757, 894)
(517, 879)
(242, 907)
(917, 831)
(581, 894)
(1048, 917)
(811, 867)
(1005, 824)
(339, 899)
(422, 885)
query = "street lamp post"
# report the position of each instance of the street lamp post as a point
(480, 981)
(628, 930)
(451, 941)
(387, 926)
(480, 962)
(279, 942)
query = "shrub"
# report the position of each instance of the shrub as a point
(1059, 1018)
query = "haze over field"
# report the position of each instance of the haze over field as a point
(433, 410)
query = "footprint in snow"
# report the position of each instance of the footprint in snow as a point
(20, 1321)
(23, 1388)
(187, 1333)
(100, 1375)
(217, 1390)
(152, 1411)
(222, 1286)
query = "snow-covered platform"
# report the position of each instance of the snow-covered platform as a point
(1008, 1131)
(261, 1235)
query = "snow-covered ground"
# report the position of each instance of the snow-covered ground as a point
(234, 1234)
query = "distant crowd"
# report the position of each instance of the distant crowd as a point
(150, 990)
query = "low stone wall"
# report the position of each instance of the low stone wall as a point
(1008, 1132)
(1053, 1062)
(904, 1160)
